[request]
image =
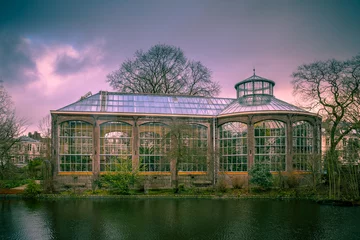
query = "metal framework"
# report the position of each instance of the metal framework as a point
(154, 144)
(195, 147)
(270, 144)
(115, 146)
(303, 145)
(233, 147)
(76, 146)
(112, 132)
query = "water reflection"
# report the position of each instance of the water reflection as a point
(175, 219)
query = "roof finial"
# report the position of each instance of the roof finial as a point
(254, 70)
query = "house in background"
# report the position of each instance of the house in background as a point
(348, 147)
(27, 148)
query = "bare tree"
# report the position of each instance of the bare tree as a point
(186, 148)
(163, 69)
(10, 129)
(45, 131)
(332, 89)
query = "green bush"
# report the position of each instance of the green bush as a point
(32, 190)
(179, 189)
(34, 168)
(11, 172)
(12, 183)
(118, 183)
(260, 175)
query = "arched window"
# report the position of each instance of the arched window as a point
(303, 146)
(270, 144)
(76, 146)
(154, 143)
(194, 148)
(115, 146)
(233, 147)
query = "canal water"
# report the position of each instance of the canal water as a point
(176, 219)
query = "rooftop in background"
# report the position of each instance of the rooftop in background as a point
(27, 139)
(254, 94)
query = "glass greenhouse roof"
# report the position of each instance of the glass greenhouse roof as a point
(113, 102)
(148, 103)
(254, 78)
(273, 104)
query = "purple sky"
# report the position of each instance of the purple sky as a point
(53, 52)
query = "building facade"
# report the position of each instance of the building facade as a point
(110, 132)
(348, 148)
(25, 150)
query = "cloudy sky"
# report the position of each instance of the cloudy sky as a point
(53, 52)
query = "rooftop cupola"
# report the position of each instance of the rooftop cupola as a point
(255, 90)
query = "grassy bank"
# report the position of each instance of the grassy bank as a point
(276, 194)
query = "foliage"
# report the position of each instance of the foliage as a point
(13, 183)
(32, 189)
(48, 181)
(238, 183)
(279, 180)
(163, 69)
(188, 148)
(10, 129)
(180, 188)
(260, 175)
(118, 183)
(77, 163)
(332, 88)
(221, 185)
(34, 168)
(12, 172)
(293, 180)
(45, 130)
(350, 187)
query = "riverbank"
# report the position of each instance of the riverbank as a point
(276, 194)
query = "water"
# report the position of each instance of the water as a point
(176, 219)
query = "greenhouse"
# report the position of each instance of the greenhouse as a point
(196, 138)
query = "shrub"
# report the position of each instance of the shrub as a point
(260, 175)
(238, 183)
(293, 181)
(179, 189)
(34, 168)
(32, 190)
(221, 185)
(12, 183)
(118, 183)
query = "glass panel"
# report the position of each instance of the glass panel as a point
(270, 144)
(193, 148)
(233, 147)
(303, 148)
(154, 143)
(76, 146)
(115, 146)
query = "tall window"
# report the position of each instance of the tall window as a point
(303, 145)
(115, 146)
(76, 146)
(195, 149)
(351, 152)
(270, 144)
(154, 143)
(233, 147)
